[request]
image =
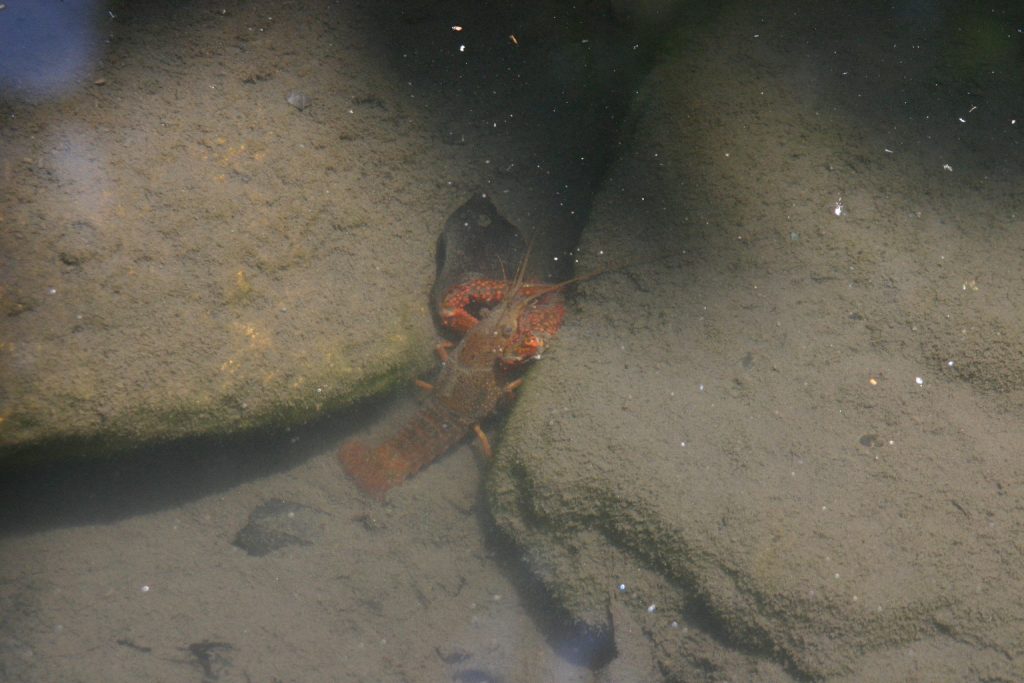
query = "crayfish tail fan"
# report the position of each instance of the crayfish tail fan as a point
(427, 436)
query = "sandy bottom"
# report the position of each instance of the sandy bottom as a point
(129, 570)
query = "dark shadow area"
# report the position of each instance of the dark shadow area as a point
(573, 641)
(81, 492)
(539, 90)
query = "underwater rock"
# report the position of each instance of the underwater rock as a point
(278, 524)
(705, 434)
(476, 243)
(241, 278)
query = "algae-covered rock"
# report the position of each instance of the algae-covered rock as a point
(200, 257)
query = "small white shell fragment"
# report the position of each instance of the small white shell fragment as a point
(299, 100)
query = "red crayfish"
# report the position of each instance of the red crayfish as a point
(504, 324)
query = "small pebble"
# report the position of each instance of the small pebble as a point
(299, 100)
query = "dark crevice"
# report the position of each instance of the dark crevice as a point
(539, 90)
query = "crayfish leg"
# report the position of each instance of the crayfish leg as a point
(511, 387)
(442, 350)
(485, 444)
